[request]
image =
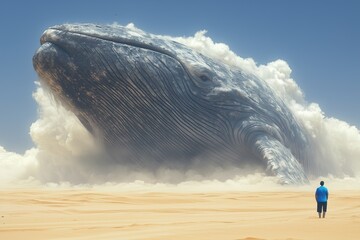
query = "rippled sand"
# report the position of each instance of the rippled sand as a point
(99, 214)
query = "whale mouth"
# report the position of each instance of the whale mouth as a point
(59, 60)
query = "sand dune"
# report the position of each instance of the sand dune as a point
(45, 213)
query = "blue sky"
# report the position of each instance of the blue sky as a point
(320, 40)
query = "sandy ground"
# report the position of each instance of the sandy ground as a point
(97, 214)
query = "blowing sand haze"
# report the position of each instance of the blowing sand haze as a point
(156, 102)
(82, 138)
(146, 136)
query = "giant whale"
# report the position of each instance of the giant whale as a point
(153, 101)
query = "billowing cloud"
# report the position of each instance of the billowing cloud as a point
(336, 143)
(65, 151)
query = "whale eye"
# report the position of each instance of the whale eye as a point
(204, 78)
(202, 74)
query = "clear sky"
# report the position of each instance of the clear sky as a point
(320, 40)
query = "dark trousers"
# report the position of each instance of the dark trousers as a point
(321, 206)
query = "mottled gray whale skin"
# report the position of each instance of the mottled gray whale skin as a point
(156, 101)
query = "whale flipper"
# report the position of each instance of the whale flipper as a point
(280, 161)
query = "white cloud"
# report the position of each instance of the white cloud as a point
(13, 165)
(66, 151)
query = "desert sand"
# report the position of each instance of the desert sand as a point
(45, 213)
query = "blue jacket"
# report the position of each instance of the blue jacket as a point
(322, 194)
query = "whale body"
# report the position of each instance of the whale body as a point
(154, 101)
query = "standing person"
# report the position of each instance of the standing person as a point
(321, 196)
